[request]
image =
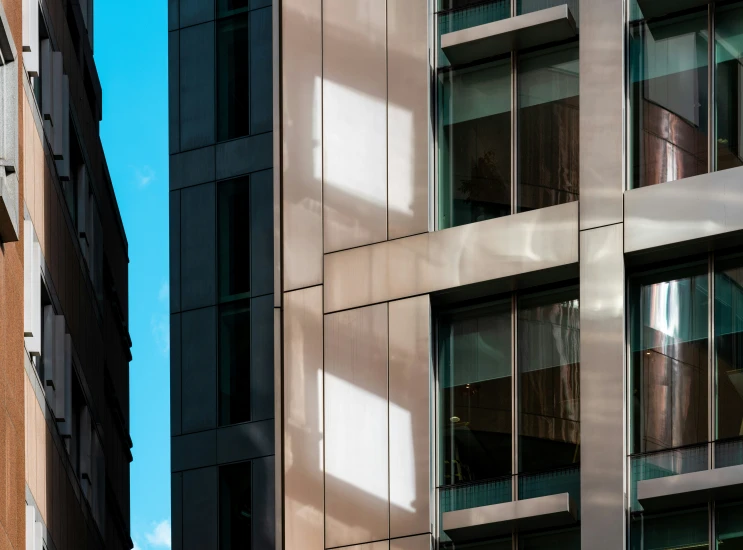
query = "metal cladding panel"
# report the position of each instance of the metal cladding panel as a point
(705, 206)
(381, 545)
(356, 426)
(354, 122)
(196, 84)
(301, 135)
(407, 117)
(410, 405)
(419, 542)
(484, 251)
(304, 504)
(601, 112)
(602, 407)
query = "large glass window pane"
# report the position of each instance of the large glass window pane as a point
(235, 507)
(234, 363)
(548, 353)
(455, 15)
(233, 78)
(729, 85)
(560, 540)
(526, 6)
(499, 544)
(668, 99)
(729, 527)
(234, 237)
(475, 399)
(669, 359)
(676, 531)
(729, 347)
(474, 143)
(231, 7)
(548, 85)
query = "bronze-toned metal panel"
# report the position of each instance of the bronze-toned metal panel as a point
(381, 545)
(278, 407)
(601, 112)
(410, 406)
(354, 121)
(356, 427)
(705, 206)
(301, 139)
(501, 248)
(407, 117)
(419, 542)
(602, 406)
(304, 521)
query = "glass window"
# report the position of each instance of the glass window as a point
(231, 7)
(235, 507)
(455, 15)
(233, 78)
(234, 363)
(527, 6)
(679, 530)
(561, 540)
(668, 99)
(729, 85)
(234, 237)
(669, 359)
(474, 144)
(729, 527)
(548, 85)
(475, 400)
(729, 347)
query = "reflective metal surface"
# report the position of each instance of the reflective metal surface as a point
(407, 117)
(601, 112)
(494, 249)
(409, 409)
(304, 523)
(419, 542)
(301, 139)
(381, 545)
(515, 33)
(357, 496)
(602, 388)
(704, 206)
(498, 519)
(690, 489)
(354, 123)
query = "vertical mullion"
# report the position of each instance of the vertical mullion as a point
(711, 99)
(711, 378)
(514, 408)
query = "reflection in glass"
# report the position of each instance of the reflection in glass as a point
(559, 540)
(235, 507)
(475, 401)
(552, 482)
(548, 85)
(669, 99)
(233, 78)
(678, 530)
(455, 15)
(492, 544)
(475, 144)
(729, 85)
(478, 493)
(729, 527)
(231, 7)
(234, 237)
(729, 347)
(549, 381)
(669, 359)
(729, 453)
(234, 363)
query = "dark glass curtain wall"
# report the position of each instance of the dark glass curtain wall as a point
(235, 507)
(233, 77)
(234, 363)
(234, 237)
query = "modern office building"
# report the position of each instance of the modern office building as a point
(507, 283)
(65, 447)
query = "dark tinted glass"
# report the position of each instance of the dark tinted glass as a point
(548, 85)
(669, 359)
(234, 363)
(729, 85)
(234, 237)
(231, 7)
(475, 382)
(729, 526)
(561, 540)
(679, 530)
(233, 77)
(235, 507)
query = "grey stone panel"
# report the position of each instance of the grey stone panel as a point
(174, 104)
(198, 247)
(192, 168)
(244, 155)
(193, 12)
(261, 69)
(264, 526)
(245, 441)
(176, 506)
(200, 509)
(173, 15)
(261, 232)
(199, 370)
(175, 374)
(175, 251)
(261, 358)
(196, 85)
(192, 451)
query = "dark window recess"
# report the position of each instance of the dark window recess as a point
(74, 31)
(226, 8)
(90, 92)
(234, 237)
(235, 507)
(71, 187)
(233, 78)
(234, 363)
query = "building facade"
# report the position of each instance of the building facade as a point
(65, 353)
(507, 275)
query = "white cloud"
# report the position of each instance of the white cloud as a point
(160, 534)
(164, 292)
(160, 327)
(136, 546)
(144, 176)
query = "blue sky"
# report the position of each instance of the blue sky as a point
(131, 53)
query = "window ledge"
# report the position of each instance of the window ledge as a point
(690, 489)
(515, 33)
(501, 519)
